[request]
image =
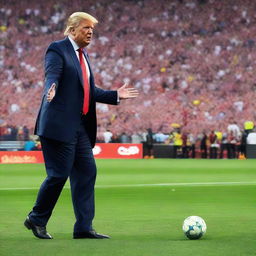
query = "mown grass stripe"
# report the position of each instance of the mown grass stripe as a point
(229, 183)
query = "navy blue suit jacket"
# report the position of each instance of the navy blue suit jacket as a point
(60, 118)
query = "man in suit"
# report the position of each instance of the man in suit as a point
(66, 125)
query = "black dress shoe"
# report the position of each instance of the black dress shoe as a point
(38, 231)
(92, 234)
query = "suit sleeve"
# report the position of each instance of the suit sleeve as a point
(104, 96)
(53, 67)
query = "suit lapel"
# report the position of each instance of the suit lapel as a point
(75, 60)
(76, 63)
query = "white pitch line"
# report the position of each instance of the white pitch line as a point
(199, 184)
(180, 184)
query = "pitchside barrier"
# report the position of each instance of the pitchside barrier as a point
(163, 151)
(107, 150)
(251, 151)
(167, 151)
(101, 150)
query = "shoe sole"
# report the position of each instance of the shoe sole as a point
(88, 236)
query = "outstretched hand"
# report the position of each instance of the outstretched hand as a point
(126, 92)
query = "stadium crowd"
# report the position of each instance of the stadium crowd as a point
(193, 62)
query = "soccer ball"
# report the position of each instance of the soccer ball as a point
(194, 227)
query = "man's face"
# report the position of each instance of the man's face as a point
(82, 34)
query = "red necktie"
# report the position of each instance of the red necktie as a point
(86, 83)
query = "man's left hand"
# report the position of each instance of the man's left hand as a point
(126, 92)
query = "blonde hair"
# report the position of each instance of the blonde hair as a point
(75, 19)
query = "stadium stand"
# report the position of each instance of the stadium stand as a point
(192, 61)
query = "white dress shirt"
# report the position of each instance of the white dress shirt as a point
(76, 47)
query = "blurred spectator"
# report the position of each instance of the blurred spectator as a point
(184, 138)
(160, 137)
(177, 143)
(224, 146)
(251, 138)
(243, 143)
(29, 145)
(124, 138)
(213, 145)
(107, 136)
(203, 145)
(231, 145)
(136, 138)
(149, 144)
(192, 145)
(25, 133)
(234, 128)
(115, 139)
(248, 126)
(197, 72)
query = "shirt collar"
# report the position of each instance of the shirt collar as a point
(74, 44)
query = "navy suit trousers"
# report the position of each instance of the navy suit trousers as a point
(62, 160)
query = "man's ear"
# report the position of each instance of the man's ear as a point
(72, 31)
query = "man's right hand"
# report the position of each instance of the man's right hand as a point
(51, 92)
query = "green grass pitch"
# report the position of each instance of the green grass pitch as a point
(141, 204)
